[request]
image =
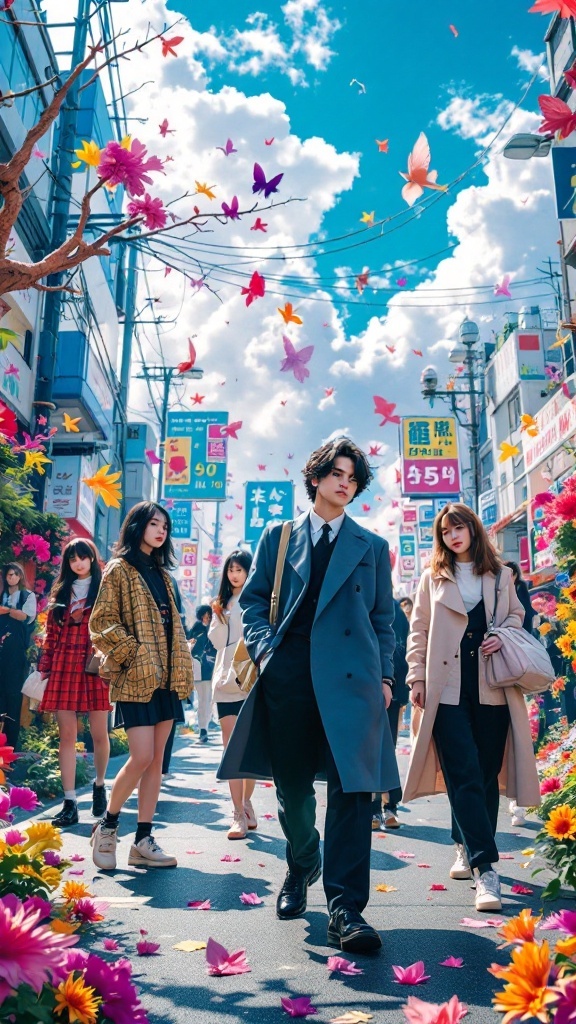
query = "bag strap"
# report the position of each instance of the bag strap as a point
(280, 560)
(496, 589)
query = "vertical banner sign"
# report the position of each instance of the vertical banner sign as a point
(188, 570)
(181, 515)
(271, 501)
(195, 456)
(429, 449)
(407, 555)
(426, 516)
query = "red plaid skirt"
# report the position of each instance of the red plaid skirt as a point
(65, 654)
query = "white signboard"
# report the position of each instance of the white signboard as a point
(16, 381)
(556, 424)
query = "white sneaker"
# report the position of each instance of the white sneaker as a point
(460, 867)
(488, 891)
(250, 813)
(147, 854)
(239, 826)
(519, 816)
(104, 842)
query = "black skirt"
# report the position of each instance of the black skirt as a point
(164, 706)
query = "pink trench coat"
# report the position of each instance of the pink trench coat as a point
(437, 625)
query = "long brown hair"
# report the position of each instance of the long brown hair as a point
(484, 556)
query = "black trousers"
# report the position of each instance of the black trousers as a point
(470, 740)
(299, 749)
(394, 796)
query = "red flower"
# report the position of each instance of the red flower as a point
(550, 785)
(8, 421)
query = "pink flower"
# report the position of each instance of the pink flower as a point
(5, 807)
(343, 966)
(128, 167)
(550, 785)
(565, 1009)
(561, 921)
(111, 945)
(14, 837)
(229, 859)
(77, 857)
(298, 1007)
(521, 890)
(37, 903)
(152, 210)
(220, 961)
(199, 904)
(37, 545)
(87, 911)
(417, 1011)
(146, 948)
(30, 952)
(412, 975)
(51, 858)
(452, 961)
(250, 898)
(39, 586)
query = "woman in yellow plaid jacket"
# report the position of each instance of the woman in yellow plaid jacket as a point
(135, 624)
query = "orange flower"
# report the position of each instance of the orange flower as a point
(526, 993)
(73, 891)
(566, 946)
(78, 999)
(561, 823)
(64, 927)
(519, 929)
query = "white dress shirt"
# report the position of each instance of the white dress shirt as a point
(316, 524)
(469, 584)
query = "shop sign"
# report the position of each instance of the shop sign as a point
(265, 502)
(429, 453)
(195, 456)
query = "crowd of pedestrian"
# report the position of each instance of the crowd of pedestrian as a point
(336, 665)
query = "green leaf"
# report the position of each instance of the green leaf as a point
(552, 889)
(6, 336)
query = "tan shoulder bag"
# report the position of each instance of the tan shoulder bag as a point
(242, 665)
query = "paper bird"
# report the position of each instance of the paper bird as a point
(529, 424)
(412, 975)
(288, 316)
(453, 30)
(164, 129)
(228, 148)
(259, 225)
(503, 288)
(343, 966)
(558, 117)
(152, 457)
(382, 145)
(268, 142)
(298, 1007)
(220, 961)
(105, 485)
(197, 399)
(231, 429)
(419, 177)
(296, 361)
(368, 218)
(187, 364)
(386, 410)
(565, 8)
(361, 86)
(391, 348)
(231, 212)
(169, 45)
(260, 183)
(417, 351)
(361, 280)
(71, 424)
(255, 289)
(507, 451)
(205, 190)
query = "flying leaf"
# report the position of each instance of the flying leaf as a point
(507, 451)
(187, 364)
(190, 945)
(352, 1017)
(228, 149)
(504, 287)
(361, 280)
(288, 315)
(169, 45)
(259, 225)
(106, 486)
(565, 8)
(382, 145)
(558, 117)
(34, 460)
(152, 457)
(529, 424)
(165, 130)
(231, 429)
(205, 190)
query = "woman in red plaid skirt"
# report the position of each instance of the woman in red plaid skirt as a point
(72, 689)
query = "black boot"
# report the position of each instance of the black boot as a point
(347, 930)
(99, 800)
(292, 897)
(67, 816)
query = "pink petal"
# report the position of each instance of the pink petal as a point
(522, 890)
(268, 816)
(220, 961)
(452, 961)
(404, 855)
(438, 887)
(229, 859)
(146, 948)
(111, 945)
(194, 851)
(506, 856)
(200, 905)
(261, 865)
(77, 857)
(76, 871)
(412, 975)
(298, 1007)
(251, 898)
(423, 865)
(484, 922)
(343, 966)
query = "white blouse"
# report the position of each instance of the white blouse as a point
(469, 584)
(224, 636)
(29, 606)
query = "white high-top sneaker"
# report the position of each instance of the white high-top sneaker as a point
(460, 867)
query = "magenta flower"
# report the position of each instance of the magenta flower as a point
(120, 1002)
(152, 210)
(111, 945)
(561, 921)
(343, 966)
(220, 961)
(39, 547)
(87, 911)
(298, 1007)
(144, 947)
(550, 785)
(5, 807)
(51, 858)
(30, 952)
(417, 1011)
(452, 961)
(37, 903)
(565, 1009)
(128, 167)
(200, 904)
(14, 837)
(412, 975)
(24, 798)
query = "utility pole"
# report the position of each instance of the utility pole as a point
(474, 425)
(164, 375)
(127, 336)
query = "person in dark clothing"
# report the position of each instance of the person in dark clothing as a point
(204, 653)
(17, 615)
(384, 813)
(523, 595)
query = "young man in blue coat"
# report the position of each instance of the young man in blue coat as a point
(326, 678)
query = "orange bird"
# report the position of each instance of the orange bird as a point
(288, 315)
(169, 45)
(419, 177)
(382, 145)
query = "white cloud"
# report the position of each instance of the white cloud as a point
(474, 117)
(531, 62)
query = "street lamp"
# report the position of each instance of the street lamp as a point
(525, 146)
(464, 353)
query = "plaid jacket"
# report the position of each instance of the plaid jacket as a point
(126, 627)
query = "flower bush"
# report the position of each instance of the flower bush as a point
(556, 842)
(38, 765)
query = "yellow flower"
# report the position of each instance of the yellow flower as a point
(37, 461)
(27, 869)
(544, 628)
(51, 876)
(563, 611)
(78, 999)
(73, 891)
(567, 946)
(571, 629)
(89, 154)
(64, 927)
(564, 644)
(562, 823)
(526, 993)
(519, 929)
(43, 832)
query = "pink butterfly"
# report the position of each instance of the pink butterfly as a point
(419, 177)
(164, 129)
(255, 289)
(328, 392)
(503, 287)
(261, 467)
(296, 361)
(401, 281)
(231, 430)
(231, 211)
(229, 517)
(259, 225)
(228, 148)
(260, 183)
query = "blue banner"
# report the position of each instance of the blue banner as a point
(181, 516)
(195, 456)
(564, 170)
(269, 501)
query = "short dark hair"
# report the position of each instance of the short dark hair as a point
(244, 560)
(321, 463)
(516, 571)
(406, 600)
(202, 610)
(16, 567)
(132, 532)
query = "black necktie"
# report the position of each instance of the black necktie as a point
(326, 530)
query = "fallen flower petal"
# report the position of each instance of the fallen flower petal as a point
(477, 922)
(146, 948)
(521, 890)
(423, 865)
(438, 887)
(199, 904)
(111, 945)
(298, 1007)
(404, 855)
(252, 899)
(417, 1011)
(194, 851)
(220, 961)
(77, 857)
(190, 945)
(352, 1017)
(506, 856)
(385, 888)
(229, 859)
(268, 816)
(452, 961)
(343, 966)
(412, 975)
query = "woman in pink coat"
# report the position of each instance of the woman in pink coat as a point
(468, 736)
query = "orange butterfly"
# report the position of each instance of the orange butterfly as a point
(382, 145)
(419, 177)
(168, 45)
(288, 315)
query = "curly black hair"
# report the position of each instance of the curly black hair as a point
(321, 463)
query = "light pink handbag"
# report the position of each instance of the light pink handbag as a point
(521, 661)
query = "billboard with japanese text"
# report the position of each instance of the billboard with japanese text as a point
(181, 515)
(195, 456)
(429, 450)
(268, 501)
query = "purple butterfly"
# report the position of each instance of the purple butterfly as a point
(260, 183)
(232, 210)
(228, 148)
(296, 361)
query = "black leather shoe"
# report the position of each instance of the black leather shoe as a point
(292, 897)
(67, 816)
(99, 800)
(347, 930)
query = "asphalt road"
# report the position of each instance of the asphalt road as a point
(289, 958)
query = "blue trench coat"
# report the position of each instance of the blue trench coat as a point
(351, 650)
